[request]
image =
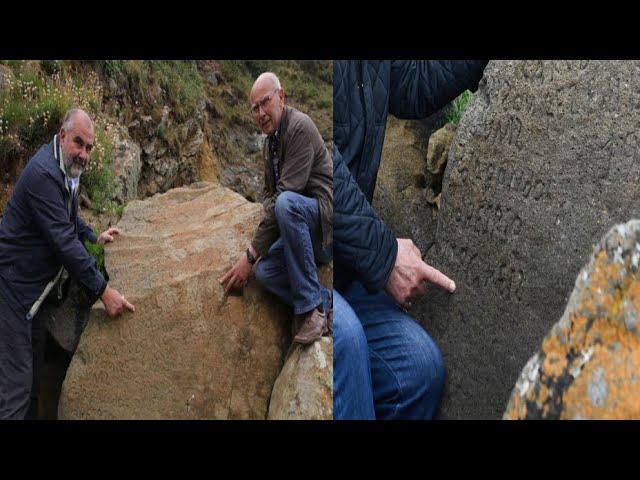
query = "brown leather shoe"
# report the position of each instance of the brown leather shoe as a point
(313, 327)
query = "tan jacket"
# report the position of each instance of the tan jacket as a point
(305, 168)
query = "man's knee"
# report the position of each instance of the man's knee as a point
(285, 203)
(425, 379)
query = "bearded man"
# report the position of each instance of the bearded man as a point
(41, 237)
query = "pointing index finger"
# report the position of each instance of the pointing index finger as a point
(438, 278)
(129, 306)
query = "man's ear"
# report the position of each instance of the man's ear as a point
(281, 94)
(62, 134)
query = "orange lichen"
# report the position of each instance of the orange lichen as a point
(602, 342)
(632, 295)
(622, 399)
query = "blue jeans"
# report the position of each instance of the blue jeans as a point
(289, 268)
(21, 360)
(385, 364)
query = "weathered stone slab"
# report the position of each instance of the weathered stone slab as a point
(304, 388)
(589, 364)
(188, 351)
(545, 160)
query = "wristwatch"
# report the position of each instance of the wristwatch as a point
(250, 257)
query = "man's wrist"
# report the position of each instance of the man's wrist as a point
(250, 256)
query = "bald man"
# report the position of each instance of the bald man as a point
(41, 237)
(295, 232)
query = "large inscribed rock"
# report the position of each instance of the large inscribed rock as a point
(545, 160)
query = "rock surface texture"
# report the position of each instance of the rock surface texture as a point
(589, 364)
(304, 388)
(188, 351)
(403, 193)
(544, 161)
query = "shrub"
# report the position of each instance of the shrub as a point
(99, 177)
(31, 111)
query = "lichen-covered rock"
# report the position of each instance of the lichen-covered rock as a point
(189, 350)
(589, 365)
(304, 388)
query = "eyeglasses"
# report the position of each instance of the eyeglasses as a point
(255, 109)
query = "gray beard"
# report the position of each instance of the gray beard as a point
(72, 169)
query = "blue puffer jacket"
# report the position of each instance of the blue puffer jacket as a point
(364, 92)
(38, 234)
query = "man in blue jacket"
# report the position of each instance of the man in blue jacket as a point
(41, 237)
(385, 364)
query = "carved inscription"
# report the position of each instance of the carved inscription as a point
(489, 219)
(490, 176)
(477, 272)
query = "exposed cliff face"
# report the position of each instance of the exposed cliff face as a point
(182, 121)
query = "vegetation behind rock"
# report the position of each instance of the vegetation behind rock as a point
(191, 118)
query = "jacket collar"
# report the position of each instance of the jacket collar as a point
(277, 135)
(57, 153)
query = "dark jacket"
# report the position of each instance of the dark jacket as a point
(364, 92)
(38, 235)
(305, 168)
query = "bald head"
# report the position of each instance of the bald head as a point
(77, 116)
(268, 80)
(267, 102)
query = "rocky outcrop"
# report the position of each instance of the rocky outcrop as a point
(188, 351)
(170, 152)
(437, 154)
(126, 165)
(304, 388)
(243, 169)
(589, 364)
(402, 192)
(531, 182)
